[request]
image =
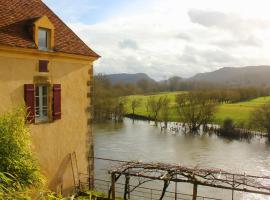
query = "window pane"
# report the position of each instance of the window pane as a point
(45, 113)
(37, 111)
(41, 103)
(37, 102)
(37, 91)
(42, 38)
(44, 90)
(45, 101)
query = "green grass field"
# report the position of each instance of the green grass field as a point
(239, 112)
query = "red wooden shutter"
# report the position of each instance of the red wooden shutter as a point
(29, 98)
(43, 66)
(56, 101)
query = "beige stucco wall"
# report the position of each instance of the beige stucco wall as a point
(53, 142)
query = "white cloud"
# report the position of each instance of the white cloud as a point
(250, 41)
(172, 38)
(184, 36)
(128, 43)
(227, 21)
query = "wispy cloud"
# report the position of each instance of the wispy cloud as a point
(173, 38)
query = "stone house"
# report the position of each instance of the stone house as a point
(46, 65)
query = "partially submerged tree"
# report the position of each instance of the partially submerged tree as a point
(165, 111)
(208, 110)
(103, 100)
(260, 118)
(195, 109)
(228, 125)
(107, 102)
(119, 110)
(135, 103)
(154, 106)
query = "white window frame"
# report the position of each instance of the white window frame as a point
(41, 108)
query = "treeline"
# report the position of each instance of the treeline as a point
(222, 93)
(234, 95)
(108, 105)
(146, 86)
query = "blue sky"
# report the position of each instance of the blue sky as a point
(164, 38)
(89, 11)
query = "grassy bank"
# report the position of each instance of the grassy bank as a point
(239, 112)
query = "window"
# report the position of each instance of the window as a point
(41, 103)
(43, 39)
(43, 66)
(43, 33)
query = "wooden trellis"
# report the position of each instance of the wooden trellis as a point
(197, 176)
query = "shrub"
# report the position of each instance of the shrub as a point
(16, 157)
(228, 130)
(228, 125)
(20, 177)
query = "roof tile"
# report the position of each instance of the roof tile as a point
(17, 15)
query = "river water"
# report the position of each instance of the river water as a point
(140, 140)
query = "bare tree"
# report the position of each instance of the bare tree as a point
(208, 111)
(260, 118)
(165, 110)
(119, 110)
(104, 98)
(135, 103)
(195, 109)
(107, 103)
(154, 106)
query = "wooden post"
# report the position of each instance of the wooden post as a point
(113, 186)
(91, 169)
(72, 168)
(175, 191)
(233, 188)
(165, 186)
(90, 183)
(195, 189)
(127, 188)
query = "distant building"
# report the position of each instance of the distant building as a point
(45, 64)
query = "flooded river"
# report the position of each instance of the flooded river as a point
(140, 140)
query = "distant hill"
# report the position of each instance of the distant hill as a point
(229, 76)
(128, 78)
(175, 79)
(243, 76)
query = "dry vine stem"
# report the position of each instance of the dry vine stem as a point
(197, 176)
